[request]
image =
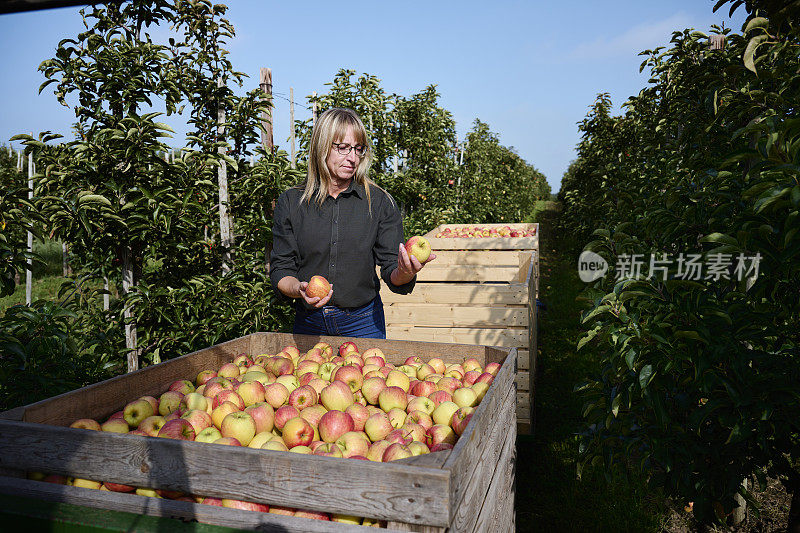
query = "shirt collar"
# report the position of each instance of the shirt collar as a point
(355, 188)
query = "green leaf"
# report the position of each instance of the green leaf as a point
(615, 404)
(94, 199)
(594, 312)
(757, 22)
(645, 376)
(750, 51)
(720, 237)
(589, 336)
(630, 358)
(689, 334)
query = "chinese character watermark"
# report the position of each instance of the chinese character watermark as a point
(687, 266)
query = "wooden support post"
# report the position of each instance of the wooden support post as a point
(314, 108)
(291, 125)
(740, 513)
(131, 342)
(266, 116)
(396, 158)
(29, 271)
(226, 240)
(106, 296)
(66, 269)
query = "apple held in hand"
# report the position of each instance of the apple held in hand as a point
(318, 287)
(419, 247)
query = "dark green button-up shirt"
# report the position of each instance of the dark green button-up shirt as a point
(339, 240)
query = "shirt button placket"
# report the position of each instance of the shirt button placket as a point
(334, 240)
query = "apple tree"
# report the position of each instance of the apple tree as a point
(17, 217)
(698, 379)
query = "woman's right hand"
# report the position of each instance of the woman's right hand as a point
(316, 301)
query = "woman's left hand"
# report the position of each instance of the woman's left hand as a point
(407, 266)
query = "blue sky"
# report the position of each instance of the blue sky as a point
(529, 69)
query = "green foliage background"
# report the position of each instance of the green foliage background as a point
(698, 386)
(117, 198)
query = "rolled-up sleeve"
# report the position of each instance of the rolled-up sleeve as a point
(285, 256)
(390, 235)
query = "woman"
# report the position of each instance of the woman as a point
(339, 224)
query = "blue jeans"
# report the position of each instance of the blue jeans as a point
(366, 322)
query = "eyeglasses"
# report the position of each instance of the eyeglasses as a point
(344, 149)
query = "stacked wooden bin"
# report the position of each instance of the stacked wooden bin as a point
(469, 488)
(477, 291)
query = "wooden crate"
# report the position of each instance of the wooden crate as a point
(484, 243)
(474, 297)
(464, 489)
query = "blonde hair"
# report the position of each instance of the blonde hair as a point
(332, 126)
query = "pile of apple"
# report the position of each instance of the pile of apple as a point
(346, 404)
(472, 232)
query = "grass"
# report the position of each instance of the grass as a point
(47, 276)
(550, 497)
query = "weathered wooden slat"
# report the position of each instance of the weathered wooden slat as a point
(497, 512)
(522, 379)
(400, 526)
(460, 294)
(102, 399)
(475, 441)
(450, 316)
(361, 488)
(533, 329)
(428, 460)
(13, 414)
(483, 336)
(469, 273)
(523, 359)
(523, 410)
(481, 473)
(478, 257)
(143, 505)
